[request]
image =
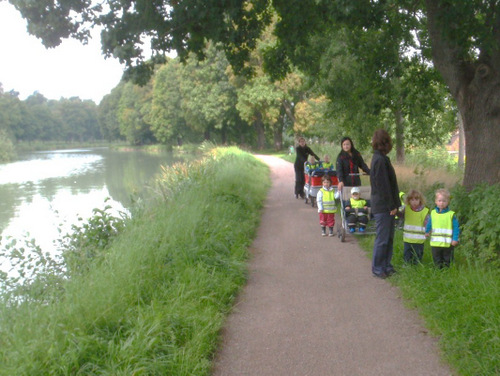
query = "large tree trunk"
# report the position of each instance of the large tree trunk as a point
(259, 128)
(476, 88)
(461, 142)
(278, 135)
(400, 139)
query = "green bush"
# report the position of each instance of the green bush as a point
(478, 212)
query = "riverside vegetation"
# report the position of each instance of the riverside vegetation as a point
(459, 305)
(152, 300)
(142, 295)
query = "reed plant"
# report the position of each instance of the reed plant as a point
(156, 302)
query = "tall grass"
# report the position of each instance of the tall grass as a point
(460, 305)
(156, 303)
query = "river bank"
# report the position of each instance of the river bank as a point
(155, 303)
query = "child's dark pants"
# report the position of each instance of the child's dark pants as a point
(442, 256)
(413, 253)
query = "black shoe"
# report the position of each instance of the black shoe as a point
(390, 272)
(296, 196)
(381, 275)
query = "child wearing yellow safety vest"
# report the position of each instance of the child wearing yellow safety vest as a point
(416, 216)
(356, 210)
(443, 230)
(326, 205)
(326, 165)
(312, 165)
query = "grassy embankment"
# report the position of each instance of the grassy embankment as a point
(156, 303)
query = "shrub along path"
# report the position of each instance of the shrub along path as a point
(312, 307)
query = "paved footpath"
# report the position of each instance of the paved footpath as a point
(312, 308)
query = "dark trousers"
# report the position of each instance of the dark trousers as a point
(352, 219)
(300, 181)
(442, 256)
(383, 245)
(413, 253)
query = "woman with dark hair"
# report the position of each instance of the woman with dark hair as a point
(384, 203)
(303, 152)
(349, 161)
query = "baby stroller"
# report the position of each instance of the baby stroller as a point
(343, 228)
(314, 182)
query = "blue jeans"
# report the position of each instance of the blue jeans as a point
(382, 247)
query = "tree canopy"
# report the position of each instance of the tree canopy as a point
(459, 38)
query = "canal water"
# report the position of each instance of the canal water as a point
(42, 192)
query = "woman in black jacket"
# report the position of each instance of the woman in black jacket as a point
(303, 152)
(384, 203)
(349, 161)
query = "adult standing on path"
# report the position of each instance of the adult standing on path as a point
(384, 203)
(349, 161)
(303, 152)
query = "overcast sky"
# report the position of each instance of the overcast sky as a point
(69, 70)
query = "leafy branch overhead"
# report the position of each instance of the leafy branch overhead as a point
(458, 38)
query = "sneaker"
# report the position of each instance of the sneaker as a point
(323, 231)
(331, 232)
(361, 229)
(352, 230)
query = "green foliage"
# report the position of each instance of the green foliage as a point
(39, 119)
(34, 276)
(155, 303)
(434, 158)
(38, 276)
(7, 150)
(88, 243)
(478, 212)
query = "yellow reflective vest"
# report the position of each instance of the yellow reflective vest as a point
(358, 204)
(327, 165)
(442, 228)
(414, 230)
(329, 201)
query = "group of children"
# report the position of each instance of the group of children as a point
(312, 165)
(356, 210)
(439, 224)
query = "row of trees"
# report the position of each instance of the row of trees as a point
(38, 119)
(383, 39)
(205, 99)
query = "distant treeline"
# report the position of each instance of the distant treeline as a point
(197, 100)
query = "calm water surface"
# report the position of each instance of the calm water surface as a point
(46, 190)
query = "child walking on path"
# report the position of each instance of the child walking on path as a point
(326, 206)
(416, 216)
(443, 230)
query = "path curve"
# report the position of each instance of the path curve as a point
(311, 306)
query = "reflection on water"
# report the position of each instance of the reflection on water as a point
(46, 190)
